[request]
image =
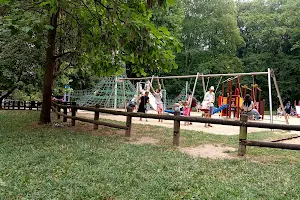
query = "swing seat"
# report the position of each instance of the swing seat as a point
(172, 112)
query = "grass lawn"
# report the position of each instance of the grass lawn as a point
(47, 162)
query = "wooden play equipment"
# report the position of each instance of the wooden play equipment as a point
(234, 97)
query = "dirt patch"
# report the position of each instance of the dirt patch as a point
(145, 140)
(209, 151)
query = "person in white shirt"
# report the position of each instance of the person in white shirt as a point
(249, 108)
(158, 96)
(209, 97)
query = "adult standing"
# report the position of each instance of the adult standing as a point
(210, 98)
(158, 96)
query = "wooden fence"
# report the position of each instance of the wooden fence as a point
(242, 123)
(21, 105)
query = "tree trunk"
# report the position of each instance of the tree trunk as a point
(6, 95)
(49, 71)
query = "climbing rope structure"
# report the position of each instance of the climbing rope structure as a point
(108, 93)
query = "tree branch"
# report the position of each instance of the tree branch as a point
(63, 54)
(7, 94)
(106, 7)
(77, 21)
(93, 15)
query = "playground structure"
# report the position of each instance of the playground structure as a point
(234, 97)
(236, 100)
(113, 93)
(108, 93)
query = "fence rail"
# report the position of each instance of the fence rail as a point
(242, 123)
(21, 105)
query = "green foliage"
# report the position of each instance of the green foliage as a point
(20, 63)
(26, 94)
(271, 32)
(210, 40)
(97, 37)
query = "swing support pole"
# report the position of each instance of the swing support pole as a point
(194, 90)
(270, 95)
(186, 88)
(124, 95)
(203, 83)
(116, 93)
(279, 96)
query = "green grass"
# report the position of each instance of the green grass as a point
(45, 162)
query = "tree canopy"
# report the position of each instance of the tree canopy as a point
(74, 42)
(271, 33)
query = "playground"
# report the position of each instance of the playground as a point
(231, 89)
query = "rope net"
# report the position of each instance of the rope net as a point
(108, 93)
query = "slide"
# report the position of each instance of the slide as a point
(216, 110)
(151, 100)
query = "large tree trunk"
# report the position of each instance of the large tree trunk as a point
(6, 95)
(49, 71)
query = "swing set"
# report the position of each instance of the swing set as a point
(233, 98)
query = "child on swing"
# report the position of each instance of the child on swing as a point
(158, 99)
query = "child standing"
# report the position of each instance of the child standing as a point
(133, 102)
(144, 100)
(186, 111)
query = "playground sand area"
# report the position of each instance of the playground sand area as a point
(216, 129)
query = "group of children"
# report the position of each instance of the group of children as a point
(143, 101)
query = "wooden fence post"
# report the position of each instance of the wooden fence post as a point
(4, 104)
(24, 105)
(30, 107)
(32, 104)
(65, 112)
(73, 110)
(58, 109)
(13, 105)
(96, 117)
(128, 122)
(19, 105)
(176, 133)
(242, 135)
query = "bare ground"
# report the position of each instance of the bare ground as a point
(209, 151)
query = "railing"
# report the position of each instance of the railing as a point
(242, 123)
(21, 105)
